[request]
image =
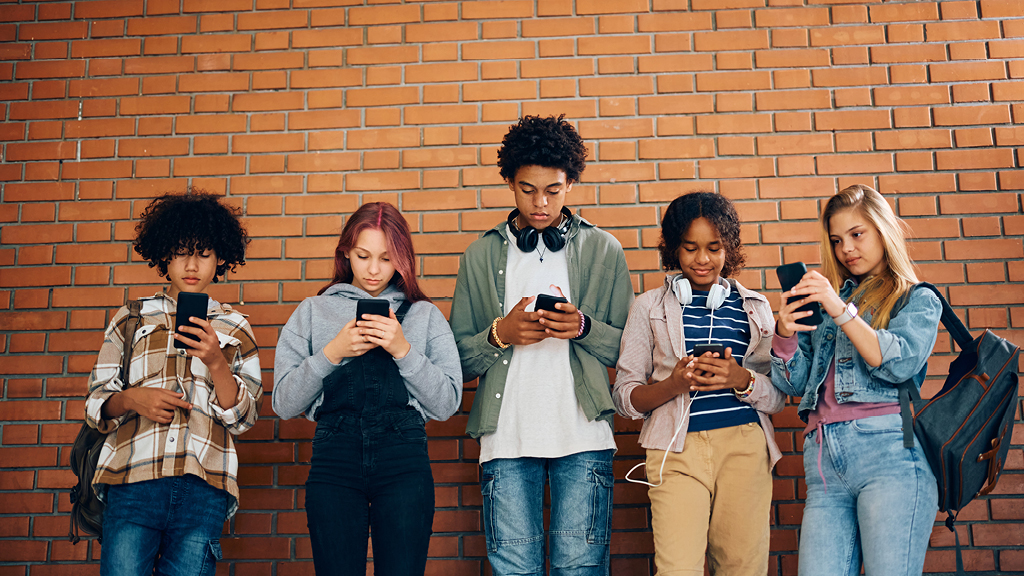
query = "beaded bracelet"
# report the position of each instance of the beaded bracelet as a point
(583, 322)
(750, 386)
(494, 333)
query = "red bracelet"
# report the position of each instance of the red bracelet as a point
(583, 320)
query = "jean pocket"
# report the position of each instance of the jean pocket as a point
(413, 433)
(323, 432)
(487, 481)
(886, 423)
(602, 483)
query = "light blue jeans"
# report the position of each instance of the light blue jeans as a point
(581, 514)
(877, 503)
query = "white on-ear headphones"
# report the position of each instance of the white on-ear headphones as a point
(716, 295)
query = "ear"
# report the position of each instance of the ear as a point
(568, 186)
(510, 185)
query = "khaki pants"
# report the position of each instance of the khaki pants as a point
(716, 497)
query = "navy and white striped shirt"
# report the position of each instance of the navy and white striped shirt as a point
(731, 329)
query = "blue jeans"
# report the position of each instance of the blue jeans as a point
(179, 519)
(879, 506)
(581, 513)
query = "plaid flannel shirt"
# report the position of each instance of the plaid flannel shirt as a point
(197, 441)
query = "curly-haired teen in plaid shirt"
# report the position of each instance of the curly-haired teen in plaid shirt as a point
(168, 470)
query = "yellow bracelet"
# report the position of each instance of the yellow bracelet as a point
(494, 333)
(750, 386)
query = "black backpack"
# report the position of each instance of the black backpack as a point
(965, 428)
(86, 508)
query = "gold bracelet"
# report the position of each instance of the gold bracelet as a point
(494, 333)
(750, 386)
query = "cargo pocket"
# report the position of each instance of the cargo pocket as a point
(602, 482)
(213, 555)
(487, 491)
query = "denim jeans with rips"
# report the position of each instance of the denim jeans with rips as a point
(581, 514)
(178, 519)
(873, 502)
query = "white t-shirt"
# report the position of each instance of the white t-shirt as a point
(540, 417)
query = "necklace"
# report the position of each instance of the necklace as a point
(541, 251)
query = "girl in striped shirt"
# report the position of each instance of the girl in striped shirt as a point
(710, 444)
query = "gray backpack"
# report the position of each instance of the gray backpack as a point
(965, 428)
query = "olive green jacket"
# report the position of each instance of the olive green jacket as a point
(600, 286)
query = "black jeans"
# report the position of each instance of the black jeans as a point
(370, 471)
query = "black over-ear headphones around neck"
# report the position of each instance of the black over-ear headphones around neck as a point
(527, 238)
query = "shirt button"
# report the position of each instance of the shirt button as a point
(501, 271)
(498, 395)
(182, 352)
(496, 354)
(504, 361)
(171, 440)
(504, 242)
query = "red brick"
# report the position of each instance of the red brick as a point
(847, 35)
(61, 31)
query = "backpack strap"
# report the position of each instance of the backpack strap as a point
(403, 310)
(910, 396)
(134, 319)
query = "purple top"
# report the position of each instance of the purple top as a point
(829, 409)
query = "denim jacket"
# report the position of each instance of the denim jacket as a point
(906, 345)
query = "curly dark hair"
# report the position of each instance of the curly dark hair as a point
(550, 142)
(718, 210)
(190, 222)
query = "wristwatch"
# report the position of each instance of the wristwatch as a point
(848, 314)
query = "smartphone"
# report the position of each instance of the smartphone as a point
(702, 349)
(189, 304)
(547, 302)
(376, 306)
(789, 276)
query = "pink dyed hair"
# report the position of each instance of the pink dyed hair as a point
(386, 218)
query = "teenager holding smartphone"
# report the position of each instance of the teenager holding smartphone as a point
(370, 384)
(543, 409)
(710, 444)
(869, 499)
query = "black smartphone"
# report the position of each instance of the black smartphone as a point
(189, 304)
(702, 349)
(375, 306)
(789, 276)
(547, 302)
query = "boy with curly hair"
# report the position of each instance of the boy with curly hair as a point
(168, 469)
(543, 408)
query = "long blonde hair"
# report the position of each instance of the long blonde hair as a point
(877, 294)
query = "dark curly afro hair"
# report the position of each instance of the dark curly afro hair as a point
(550, 142)
(190, 222)
(718, 210)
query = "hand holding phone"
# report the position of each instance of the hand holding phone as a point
(789, 276)
(189, 304)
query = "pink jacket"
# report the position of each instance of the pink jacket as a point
(652, 344)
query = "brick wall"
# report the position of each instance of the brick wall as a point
(300, 110)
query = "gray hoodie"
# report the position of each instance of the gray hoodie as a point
(431, 370)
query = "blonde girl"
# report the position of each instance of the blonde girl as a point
(869, 499)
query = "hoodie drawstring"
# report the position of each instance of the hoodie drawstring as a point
(821, 447)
